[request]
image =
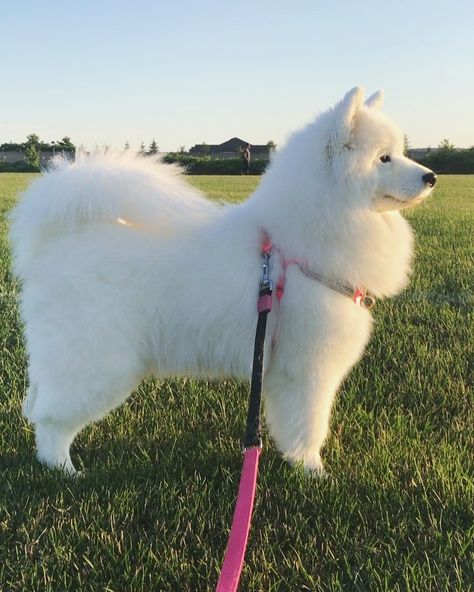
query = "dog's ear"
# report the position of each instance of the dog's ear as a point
(350, 105)
(344, 116)
(375, 101)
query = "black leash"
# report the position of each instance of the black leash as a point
(253, 436)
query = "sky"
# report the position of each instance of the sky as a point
(106, 72)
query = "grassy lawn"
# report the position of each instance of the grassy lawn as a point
(153, 511)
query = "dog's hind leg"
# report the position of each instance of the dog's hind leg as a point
(53, 440)
(74, 390)
(59, 417)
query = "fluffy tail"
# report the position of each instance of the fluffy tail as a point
(102, 188)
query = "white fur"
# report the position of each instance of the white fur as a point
(127, 271)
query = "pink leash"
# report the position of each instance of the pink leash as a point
(237, 544)
(235, 552)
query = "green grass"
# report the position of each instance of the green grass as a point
(153, 511)
(226, 188)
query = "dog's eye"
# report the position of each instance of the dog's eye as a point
(385, 158)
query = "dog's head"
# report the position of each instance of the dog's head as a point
(365, 146)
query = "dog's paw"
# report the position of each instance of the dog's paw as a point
(316, 470)
(311, 464)
(64, 468)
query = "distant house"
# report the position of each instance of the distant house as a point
(11, 156)
(416, 153)
(229, 149)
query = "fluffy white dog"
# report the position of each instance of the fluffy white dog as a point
(127, 272)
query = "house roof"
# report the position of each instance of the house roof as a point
(231, 145)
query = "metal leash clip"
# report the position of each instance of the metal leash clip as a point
(266, 282)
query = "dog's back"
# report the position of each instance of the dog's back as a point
(103, 188)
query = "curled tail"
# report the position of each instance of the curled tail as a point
(105, 187)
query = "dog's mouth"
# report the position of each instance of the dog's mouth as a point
(404, 202)
(387, 202)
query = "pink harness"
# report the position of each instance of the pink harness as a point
(237, 544)
(359, 296)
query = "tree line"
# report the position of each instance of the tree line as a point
(446, 158)
(33, 147)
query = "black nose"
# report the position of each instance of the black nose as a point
(429, 179)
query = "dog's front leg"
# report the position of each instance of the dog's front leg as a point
(298, 410)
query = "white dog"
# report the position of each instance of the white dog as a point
(127, 272)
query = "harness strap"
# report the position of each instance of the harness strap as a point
(359, 296)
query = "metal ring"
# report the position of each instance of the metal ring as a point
(368, 301)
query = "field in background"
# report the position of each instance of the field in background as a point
(153, 510)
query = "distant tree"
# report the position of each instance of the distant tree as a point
(142, 150)
(153, 149)
(206, 150)
(127, 146)
(446, 146)
(33, 139)
(406, 145)
(31, 148)
(66, 144)
(182, 149)
(12, 146)
(271, 146)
